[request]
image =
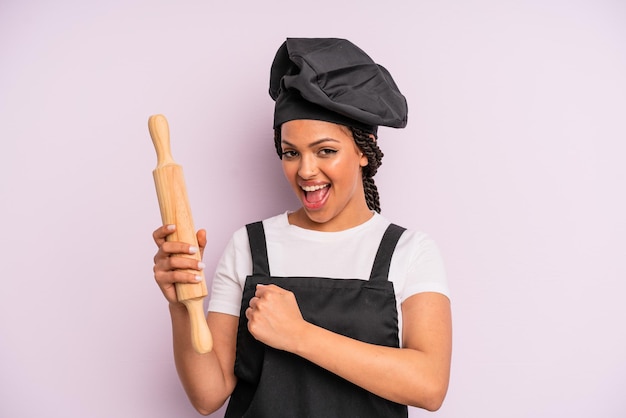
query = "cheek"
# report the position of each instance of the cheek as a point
(289, 171)
(348, 170)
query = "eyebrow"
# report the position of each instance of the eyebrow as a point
(312, 144)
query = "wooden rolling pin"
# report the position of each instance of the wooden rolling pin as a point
(175, 210)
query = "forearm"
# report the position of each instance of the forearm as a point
(406, 376)
(202, 375)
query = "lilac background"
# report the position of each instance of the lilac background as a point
(512, 161)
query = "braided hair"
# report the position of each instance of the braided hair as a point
(370, 149)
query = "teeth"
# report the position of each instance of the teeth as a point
(313, 188)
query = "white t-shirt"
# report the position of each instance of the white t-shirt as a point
(416, 265)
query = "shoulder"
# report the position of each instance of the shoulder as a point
(412, 241)
(417, 265)
(409, 238)
(418, 243)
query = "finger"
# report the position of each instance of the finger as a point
(181, 276)
(266, 289)
(176, 247)
(201, 236)
(165, 262)
(254, 302)
(183, 263)
(165, 278)
(162, 232)
(259, 291)
(160, 256)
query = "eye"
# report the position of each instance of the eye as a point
(288, 154)
(326, 152)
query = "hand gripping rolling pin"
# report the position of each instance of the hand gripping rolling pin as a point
(175, 210)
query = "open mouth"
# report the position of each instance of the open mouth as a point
(315, 196)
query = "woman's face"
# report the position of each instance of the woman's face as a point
(323, 165)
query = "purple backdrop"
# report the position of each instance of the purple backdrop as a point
(512, 161)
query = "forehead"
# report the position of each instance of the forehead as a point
(305, 130)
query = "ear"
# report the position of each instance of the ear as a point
(363, 160)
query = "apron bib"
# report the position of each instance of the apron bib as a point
(275, 383)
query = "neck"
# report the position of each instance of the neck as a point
(342, 222)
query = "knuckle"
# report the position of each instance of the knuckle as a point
(252, 326)
(167, 247)
(159, 277)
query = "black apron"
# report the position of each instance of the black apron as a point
(274, 383)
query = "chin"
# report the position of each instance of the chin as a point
(318, 217)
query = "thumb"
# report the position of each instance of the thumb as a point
(201, 236)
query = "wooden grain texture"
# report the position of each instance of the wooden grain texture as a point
(175, 209)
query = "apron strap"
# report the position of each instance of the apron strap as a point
(380, 269)
(258, 248)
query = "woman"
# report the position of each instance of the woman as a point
(329, 310)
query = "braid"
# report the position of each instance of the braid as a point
(277, 143)
(374, 155)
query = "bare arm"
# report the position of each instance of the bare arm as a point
(416, 374)
(208, 379)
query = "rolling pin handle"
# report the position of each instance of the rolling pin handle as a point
(160, 134)
(201, 337)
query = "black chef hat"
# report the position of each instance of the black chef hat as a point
(334, 80)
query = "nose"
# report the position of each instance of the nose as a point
(308, 167)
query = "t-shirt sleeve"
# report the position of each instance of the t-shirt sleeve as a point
(425, 272)
(230, 275)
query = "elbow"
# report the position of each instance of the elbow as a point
(430, 398)
(209, 399)
(434, 399)
(206, 407)
(433, 404)
(204, 410)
